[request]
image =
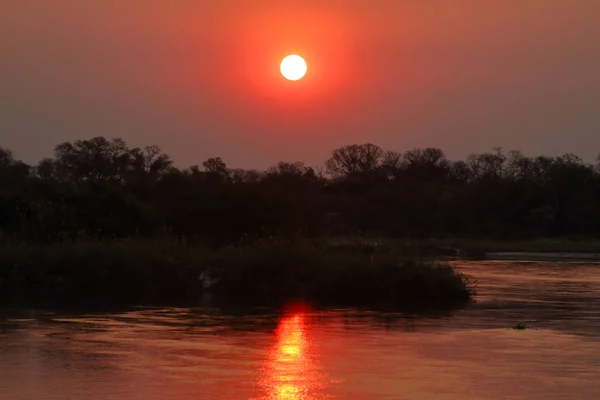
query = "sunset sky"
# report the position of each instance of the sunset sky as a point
(201, 78)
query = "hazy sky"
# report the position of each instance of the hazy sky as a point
(200, 77)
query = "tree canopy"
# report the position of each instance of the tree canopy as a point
(103, 187)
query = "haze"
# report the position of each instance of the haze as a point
(195, 77)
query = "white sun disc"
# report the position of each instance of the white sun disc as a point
(293, 67)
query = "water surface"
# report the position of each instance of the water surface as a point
(212, 353)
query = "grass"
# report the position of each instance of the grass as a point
(541, 245)
(477, 248)
(98, 271)
(135, 271)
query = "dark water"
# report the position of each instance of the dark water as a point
(206, 353)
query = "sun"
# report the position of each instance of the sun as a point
(293, 67)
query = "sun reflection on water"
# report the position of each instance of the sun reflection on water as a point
(291, 371)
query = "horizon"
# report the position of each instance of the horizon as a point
(505, 152)
(201, 79)
(300, 199)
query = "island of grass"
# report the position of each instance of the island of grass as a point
(136, 271)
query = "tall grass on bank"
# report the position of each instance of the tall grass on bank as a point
(167, 269)
(99, 270)
(473, 247)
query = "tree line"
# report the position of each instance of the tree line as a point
(102, 187)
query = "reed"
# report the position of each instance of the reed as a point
(138, 270)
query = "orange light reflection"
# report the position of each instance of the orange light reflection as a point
(291, 371)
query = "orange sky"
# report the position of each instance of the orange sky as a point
(200, 78)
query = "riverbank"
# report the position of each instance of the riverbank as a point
(558, 248)
(548, 246)
(551, 257)
(136, 271)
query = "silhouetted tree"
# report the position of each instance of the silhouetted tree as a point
(363, 158)
(102, 187)
(216, 168)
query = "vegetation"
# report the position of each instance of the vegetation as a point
(267, 271)
(83, 221)
(481, 247)
(103, 188)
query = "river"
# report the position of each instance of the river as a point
(303, 354)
